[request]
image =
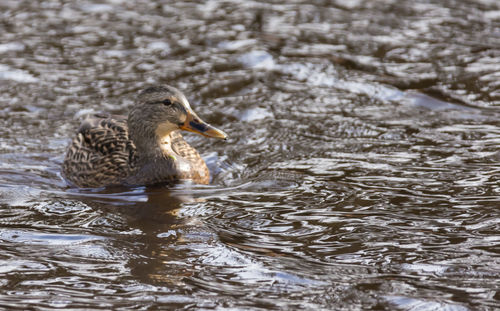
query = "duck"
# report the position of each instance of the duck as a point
(143, 148)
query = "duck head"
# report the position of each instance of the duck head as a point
(163, 109)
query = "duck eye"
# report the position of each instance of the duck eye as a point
(166, 102)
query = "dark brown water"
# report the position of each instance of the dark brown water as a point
(362, 169)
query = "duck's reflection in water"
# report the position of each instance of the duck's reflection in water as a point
(160, 238)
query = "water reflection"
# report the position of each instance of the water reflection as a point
(361, 170)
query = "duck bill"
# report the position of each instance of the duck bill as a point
(194, 124)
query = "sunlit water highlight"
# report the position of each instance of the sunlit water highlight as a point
(361, 170)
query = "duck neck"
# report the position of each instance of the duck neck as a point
(154, 163)
(147, 138)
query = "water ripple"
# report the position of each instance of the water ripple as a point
(361, 169)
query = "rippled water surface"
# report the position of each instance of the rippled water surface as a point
(361, 172)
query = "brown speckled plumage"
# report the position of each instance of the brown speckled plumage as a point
(141, 149)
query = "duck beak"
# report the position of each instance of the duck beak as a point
(194, 124)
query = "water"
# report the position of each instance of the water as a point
(361, 170)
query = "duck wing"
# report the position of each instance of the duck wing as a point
(101, 154)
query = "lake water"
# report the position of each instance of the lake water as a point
(362, 169)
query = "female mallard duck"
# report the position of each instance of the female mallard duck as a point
(145, 148)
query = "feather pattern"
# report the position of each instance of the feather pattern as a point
(102, 154)
(141, 149)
